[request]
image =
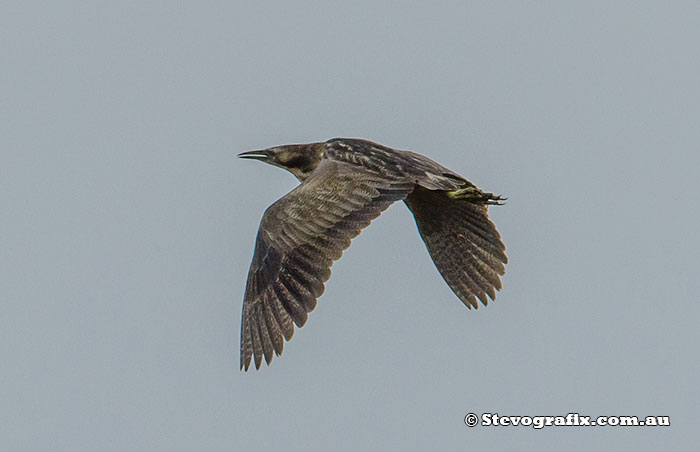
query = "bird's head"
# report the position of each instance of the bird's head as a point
(298, 159)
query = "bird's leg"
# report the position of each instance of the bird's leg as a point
(473, 194)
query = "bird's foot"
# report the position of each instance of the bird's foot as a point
(473, 194)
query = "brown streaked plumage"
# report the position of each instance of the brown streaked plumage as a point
(345, 184)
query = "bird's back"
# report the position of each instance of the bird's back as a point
(375, 158)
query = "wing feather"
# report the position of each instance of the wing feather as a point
(463, 243)
(300, 237)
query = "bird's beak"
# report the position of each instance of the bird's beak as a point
(257, 155)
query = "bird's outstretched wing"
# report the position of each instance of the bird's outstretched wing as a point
(300, 237)
(463, 243)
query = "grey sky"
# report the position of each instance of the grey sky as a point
(128, 224)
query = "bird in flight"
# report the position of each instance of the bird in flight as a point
(345, 184)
